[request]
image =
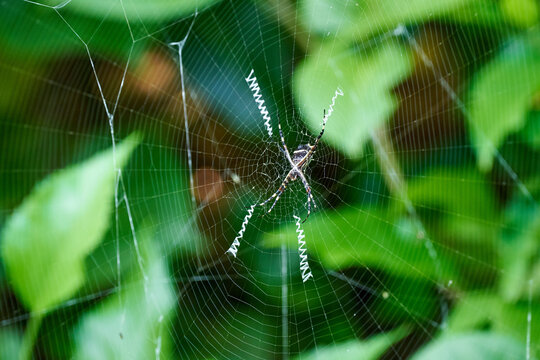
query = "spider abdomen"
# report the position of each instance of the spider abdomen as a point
(300, 154)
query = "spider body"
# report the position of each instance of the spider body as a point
(298, 161)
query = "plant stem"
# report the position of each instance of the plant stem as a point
(389, 164)
(32, 329)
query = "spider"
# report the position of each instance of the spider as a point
(299, 162)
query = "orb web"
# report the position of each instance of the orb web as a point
(398, 162)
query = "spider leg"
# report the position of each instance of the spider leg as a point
(284, 148)
(314, 147)
(275, 201)
(309, 198)
(322, 131)
(312, 200)
(309, 195)
(277, 194)
(281, 135)
(279, 191)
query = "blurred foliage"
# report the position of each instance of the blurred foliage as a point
(73, 204)
(11, 343)
(371, 16)
(366, 81)
(47, 238)
(460, 204)
(380, 239)
(486, 310)
(520, 248)
(504, 89)
(427, 248)
(136, 10)
(531, 132)
(370, 349)
(23, 36)
(366, 18)
(130, 324)
(473, 346)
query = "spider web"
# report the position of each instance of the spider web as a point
(210, 155)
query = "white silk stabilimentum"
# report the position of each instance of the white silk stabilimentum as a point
(338, 92)
(236, 242)
(254, 86)
(304, 266)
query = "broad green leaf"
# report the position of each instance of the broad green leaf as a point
(166, 211)
(531, 132)
(458, 208)
(477, 346)
(133, 324)
(137, 10)
(29, 31)
(371, 237)
(442, 187)
(49, 235)
(10, 343)
(474, 311)
(405, 299)
(501, 96)
(253, 331)
(478, 12)
(366, 80)
(357, 20)
(369, 349)
(519, 248)
(461, 201)
(400, 299)
(521, 12)
(304, 298)
(478, 311)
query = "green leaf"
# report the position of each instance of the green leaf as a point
(137, 10)
(461, 199)
(366, 80)
(357, 20)
(475, 311)
(521, 12)
(304, 298)
(477, 346)
(254, 330)
(478, 12)
(131, 325)
(501, 96)
(369, 237)
(519, 248)
(478, 311)
(405, 300)
(441, 187)
(30, 31)
(363, 18)
(531, 132)
(48, 236)
(459, 209)
(369, 349)
(10, 343)
(166, 215)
